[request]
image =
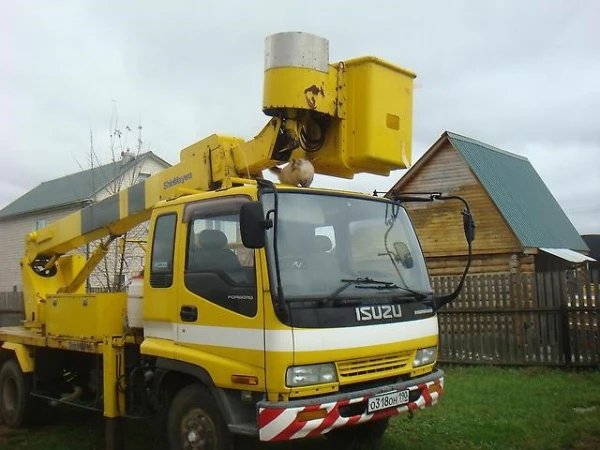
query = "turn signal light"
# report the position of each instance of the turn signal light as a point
(244, 379)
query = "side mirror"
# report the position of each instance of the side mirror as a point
(253, 225)
(403, 254)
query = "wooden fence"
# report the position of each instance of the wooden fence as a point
(11, 308)
(529, 319)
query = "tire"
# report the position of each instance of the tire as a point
(195, 422)
(15, 402)
(358, 435)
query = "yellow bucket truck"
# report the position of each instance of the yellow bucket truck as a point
(265, 309)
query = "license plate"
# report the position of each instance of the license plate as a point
(387, 400)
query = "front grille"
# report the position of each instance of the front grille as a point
(365, 368)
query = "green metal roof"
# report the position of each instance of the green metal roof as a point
(71, 189)
(523, 199)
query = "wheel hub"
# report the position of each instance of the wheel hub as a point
(193, 437)
(198, 431)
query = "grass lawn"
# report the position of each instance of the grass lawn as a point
(482, 408)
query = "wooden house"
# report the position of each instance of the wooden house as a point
(520, 227)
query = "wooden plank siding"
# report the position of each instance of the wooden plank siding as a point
(439, 225)
(486, 263)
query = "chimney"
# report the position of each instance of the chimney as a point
(126, 156)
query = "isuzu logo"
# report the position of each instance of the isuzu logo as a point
(379, 312)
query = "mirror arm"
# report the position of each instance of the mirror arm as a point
(469, 227)
(267, 224)
(443, 300)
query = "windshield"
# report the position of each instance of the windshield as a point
(335, 246)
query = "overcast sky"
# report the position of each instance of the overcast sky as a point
(521, 75)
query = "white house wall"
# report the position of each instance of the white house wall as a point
(148, 165)
(151, 166)
(12, 236)
(134, 253)
(103, 276)
(13, 231)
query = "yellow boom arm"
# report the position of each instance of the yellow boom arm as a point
(348, 117)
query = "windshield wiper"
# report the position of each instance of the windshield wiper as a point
(416, 295)
(370, 283)
(366, 280)
(361, 283)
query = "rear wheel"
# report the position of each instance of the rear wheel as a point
(195, 422)
(358, 435)
(15, 402)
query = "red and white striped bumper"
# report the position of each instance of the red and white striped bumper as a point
(278, 421)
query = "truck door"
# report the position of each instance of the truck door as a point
(160, 288)
(220, 323)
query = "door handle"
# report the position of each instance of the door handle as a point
(188, 313)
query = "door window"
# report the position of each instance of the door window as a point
(218, 266)
(163, 244)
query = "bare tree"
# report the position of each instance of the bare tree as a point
(125, 255)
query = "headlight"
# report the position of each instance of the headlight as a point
(312, 374)
(425, 356)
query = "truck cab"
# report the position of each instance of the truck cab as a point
(331, 307)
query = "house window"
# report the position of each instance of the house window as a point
(39, 224)
(142, 176)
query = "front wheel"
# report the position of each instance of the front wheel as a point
(15, 402)
(195, 422)
(357, 435)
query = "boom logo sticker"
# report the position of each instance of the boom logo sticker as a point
(177, 180)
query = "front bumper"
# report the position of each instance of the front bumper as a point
(277, 421)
